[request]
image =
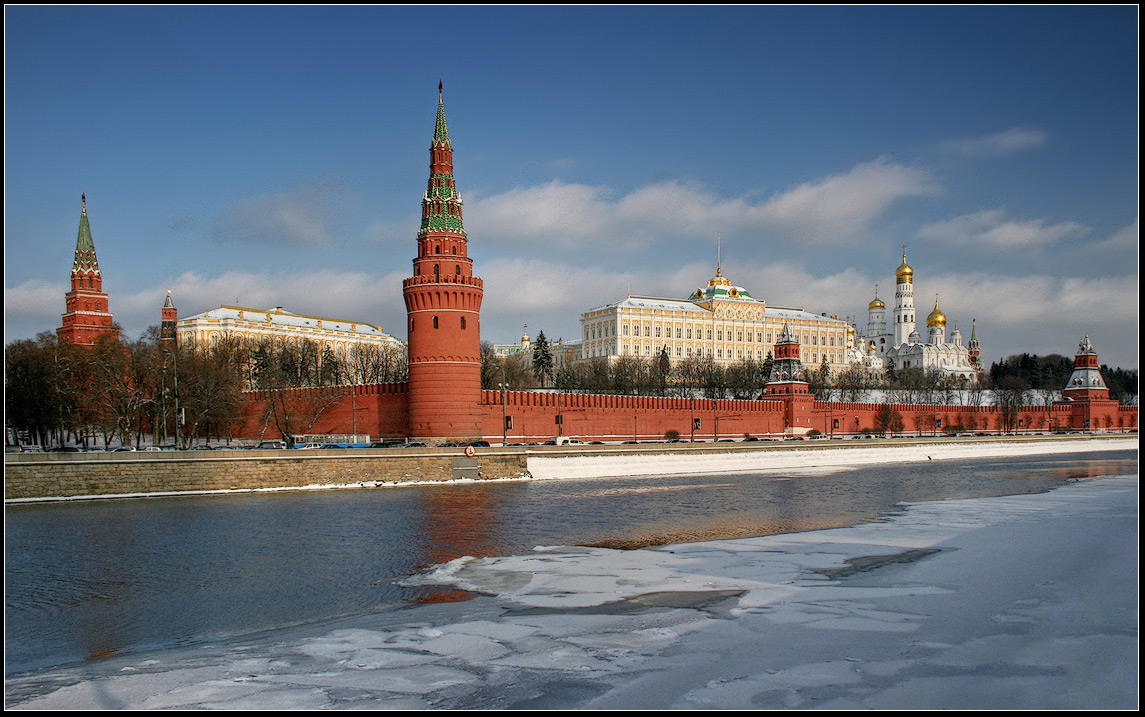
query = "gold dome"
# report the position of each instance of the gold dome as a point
(877, 303)
(936, 317)
(904, 273)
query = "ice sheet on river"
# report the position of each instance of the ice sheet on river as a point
(1015, 602)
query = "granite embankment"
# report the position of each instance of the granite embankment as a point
(60, 476)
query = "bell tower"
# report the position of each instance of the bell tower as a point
(443, 308)
(86, 317)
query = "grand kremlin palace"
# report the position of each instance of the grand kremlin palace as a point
(722, 321)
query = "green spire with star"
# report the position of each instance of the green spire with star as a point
(85, 260)
(441, 130)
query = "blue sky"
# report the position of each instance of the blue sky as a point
(277, 156)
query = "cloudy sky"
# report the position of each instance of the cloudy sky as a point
(276, 157)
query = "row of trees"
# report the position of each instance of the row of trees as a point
(57, 392)
(1018, 381)
(1047, 375)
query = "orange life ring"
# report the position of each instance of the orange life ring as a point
(469, 451)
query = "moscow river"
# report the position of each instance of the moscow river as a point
(92, 579)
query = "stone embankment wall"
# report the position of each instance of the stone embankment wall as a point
(64, 475)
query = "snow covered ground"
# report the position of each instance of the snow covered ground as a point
(808, 455)
(1017, 602)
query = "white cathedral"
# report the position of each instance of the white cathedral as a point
(878, 349)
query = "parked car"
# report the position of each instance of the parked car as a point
(124, 449)
(415, 444)
(306, 446)
(272, 445)
(479, 444)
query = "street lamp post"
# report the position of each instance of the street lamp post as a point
(504, 419)
(504, 386)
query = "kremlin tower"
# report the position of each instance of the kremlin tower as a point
(169, 317)
(904, 303)
(788, 383)
(87, 317)
(443, 305)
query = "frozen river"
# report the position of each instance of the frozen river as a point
(86, 581)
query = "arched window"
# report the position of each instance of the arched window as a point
(457, 270)
(435, 322)
(462, 323)
(437, 249)
(436, 271)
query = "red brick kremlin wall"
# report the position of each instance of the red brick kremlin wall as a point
(382, 411)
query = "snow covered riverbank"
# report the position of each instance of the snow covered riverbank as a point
(808, 455)
(1013, 602)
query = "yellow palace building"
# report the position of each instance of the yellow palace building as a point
(343, 338)
(721, 321)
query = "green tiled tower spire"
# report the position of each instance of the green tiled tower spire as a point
(85, 261)
(441, 131)
(87, 317)
(441, 205)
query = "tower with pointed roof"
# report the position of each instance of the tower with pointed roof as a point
(1086, 381)
(87, 317)
(169, 317)
(787, 375)
(788, 383)
(1087, 395)
(443, 308)
(975, 348)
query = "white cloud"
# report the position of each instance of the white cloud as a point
(1126, 239)
(302, 217)
(35, 299)
(577, 215)
(991, 227)
(1001, 144)
(836, 207)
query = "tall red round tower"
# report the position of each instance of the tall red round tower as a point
(443, 308)
(87, 317)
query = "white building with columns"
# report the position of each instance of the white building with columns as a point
(721, 321)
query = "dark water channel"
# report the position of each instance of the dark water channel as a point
(89, 579)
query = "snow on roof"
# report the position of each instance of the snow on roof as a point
(280, 317)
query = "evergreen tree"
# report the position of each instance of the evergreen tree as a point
(542, 359)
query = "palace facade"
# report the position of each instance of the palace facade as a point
(342, 338)
(722, 321)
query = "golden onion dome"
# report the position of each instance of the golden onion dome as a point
(904, 272)
(877, 303)
(936, 317)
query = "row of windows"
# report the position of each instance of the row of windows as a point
(813, 357)
(809, 339)
(436, 323)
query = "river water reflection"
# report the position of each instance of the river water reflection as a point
(89, 579)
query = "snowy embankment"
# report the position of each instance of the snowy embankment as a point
(816, 455)
(1015, 602)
